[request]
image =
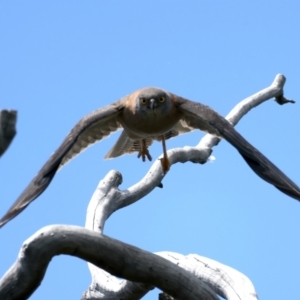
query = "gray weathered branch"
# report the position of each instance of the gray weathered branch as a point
(222, 279)
(118, 258)
(8, 120)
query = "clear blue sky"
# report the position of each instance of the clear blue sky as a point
(59, 60)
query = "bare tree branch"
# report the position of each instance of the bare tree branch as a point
(8, 120)
(118, 258)
(222, 279)
(225, 281)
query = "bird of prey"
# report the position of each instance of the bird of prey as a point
(146, 115)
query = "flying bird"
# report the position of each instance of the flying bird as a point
(146, 115)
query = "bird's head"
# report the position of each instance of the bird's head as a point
(153, 100)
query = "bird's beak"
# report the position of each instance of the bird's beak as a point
(152, 104)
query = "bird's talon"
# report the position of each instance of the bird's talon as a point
(144, 153)
(148, 155)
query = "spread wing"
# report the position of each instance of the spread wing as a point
(90, 129)
(199, 116)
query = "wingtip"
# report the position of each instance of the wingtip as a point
(295, 194)
(3, 221)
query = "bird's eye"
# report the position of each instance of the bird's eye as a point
(161, 99)
(143, 100)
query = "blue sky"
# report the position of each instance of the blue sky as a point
(61, 60)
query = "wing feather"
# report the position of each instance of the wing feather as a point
(90, 129)
(202, 117)
(91, 135)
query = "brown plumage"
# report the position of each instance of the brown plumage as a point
(146, 115)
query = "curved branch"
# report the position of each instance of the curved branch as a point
(127, 261)
(222, 279)
(225, 281)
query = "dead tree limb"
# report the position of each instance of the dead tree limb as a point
(118, 258)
